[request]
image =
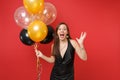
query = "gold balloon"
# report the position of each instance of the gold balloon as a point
(37, 31)
(34, 6)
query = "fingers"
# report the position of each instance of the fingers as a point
(38, 53)
(77, 39)
(83, 34)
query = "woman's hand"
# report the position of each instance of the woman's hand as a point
(38, 53)
(82, 38)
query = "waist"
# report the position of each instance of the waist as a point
(63, 69)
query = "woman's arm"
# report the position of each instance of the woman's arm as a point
(79, 46)
(50, 59)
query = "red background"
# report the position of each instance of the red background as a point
(99, 18)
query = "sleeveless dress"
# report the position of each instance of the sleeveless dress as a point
(63, 68)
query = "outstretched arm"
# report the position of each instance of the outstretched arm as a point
(79, 46)
(50, 59)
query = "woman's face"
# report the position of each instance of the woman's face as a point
(62, 32)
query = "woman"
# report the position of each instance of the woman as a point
(63, 52)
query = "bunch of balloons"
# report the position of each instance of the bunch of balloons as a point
(35, 18)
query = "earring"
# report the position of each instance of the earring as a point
(67, 36)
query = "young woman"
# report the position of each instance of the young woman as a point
(63, 51)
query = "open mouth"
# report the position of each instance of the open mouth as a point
(62, 35)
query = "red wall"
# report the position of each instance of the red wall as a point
(99, 18)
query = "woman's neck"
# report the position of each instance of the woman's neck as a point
(63, 41)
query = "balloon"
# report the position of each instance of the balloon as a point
(22, 17)
(25, 38)
(37, 30)
(49, 36)
(34, 6)
(49, 13)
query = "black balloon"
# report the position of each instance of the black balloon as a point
(25, 38)
(49, 36)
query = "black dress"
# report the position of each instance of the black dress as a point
(63, 68)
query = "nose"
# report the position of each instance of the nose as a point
(62, 30)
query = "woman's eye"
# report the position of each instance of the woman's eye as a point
(59, 29)
(65, 29)
(62, 29)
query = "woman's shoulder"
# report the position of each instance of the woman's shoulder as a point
(52, 45)
(73, 42)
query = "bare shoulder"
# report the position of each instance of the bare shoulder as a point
(52, 46)
(52, 49)
(73, 42)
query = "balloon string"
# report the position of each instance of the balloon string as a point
(35, 46)
(39, 69)
(38, 63)
(39, 66)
